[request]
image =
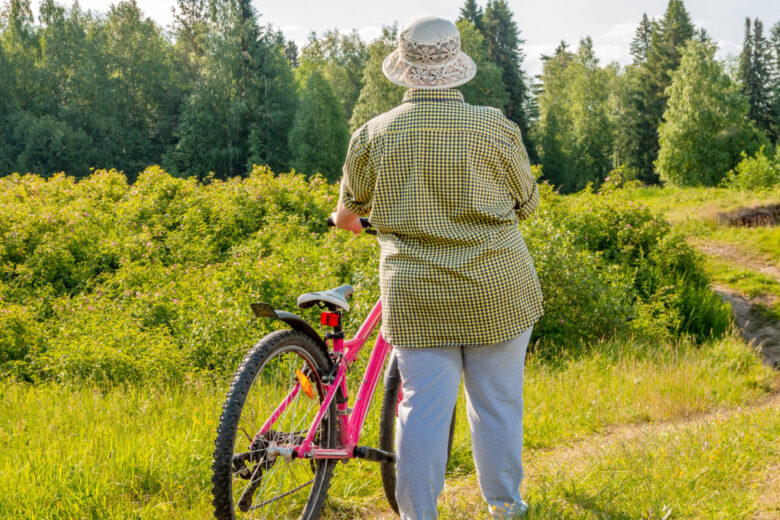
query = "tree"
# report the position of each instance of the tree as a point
(274, 86)
(487, 87)
(20, 46)
(190, 26)
(754, 74)
(473, 13)
(140, 99)
(291, 53)
(575, 132)
(342, 58)
(775, 79)
(320, 135)
(378, 94)
(642, 96)
(640, 45)
(241, 109)
(705, 126)
(503, 42)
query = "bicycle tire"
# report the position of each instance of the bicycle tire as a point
(275, 358)
(387, 429)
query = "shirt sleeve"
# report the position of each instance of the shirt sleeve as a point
(520, 180)
(359, 177)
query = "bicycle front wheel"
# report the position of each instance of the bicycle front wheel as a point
(273, 399)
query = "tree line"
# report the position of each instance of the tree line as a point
(219, 92)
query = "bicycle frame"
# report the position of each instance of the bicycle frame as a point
(350, 422)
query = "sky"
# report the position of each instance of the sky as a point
(611, 23)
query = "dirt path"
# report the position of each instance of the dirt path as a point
(461, 495)
(737, 256)
(756, 327)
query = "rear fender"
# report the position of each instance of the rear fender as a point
(264, 310)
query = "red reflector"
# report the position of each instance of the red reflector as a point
(330, 319)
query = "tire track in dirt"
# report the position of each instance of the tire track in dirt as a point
(757, 329)
(736, 255)
(461, 496)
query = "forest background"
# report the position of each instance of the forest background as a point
(218, 93)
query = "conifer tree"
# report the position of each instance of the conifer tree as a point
(643, 91)
(503, 42)
(775, 79)
(487, 87)
(320, 136)
(472, 12)
(640, 45)
(754, 73)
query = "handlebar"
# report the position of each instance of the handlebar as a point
(367, 228)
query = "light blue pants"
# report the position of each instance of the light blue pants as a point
(430, 378)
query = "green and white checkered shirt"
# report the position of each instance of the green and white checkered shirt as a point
(444, 183)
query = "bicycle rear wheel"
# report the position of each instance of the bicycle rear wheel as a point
(252, 478)
(387, 429)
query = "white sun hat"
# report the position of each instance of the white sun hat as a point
(429, 56)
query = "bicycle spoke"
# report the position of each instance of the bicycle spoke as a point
(275, 485)
(284, 495)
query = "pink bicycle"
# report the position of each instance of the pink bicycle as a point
(287, 421)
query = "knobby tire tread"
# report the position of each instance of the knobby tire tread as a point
(231, 412)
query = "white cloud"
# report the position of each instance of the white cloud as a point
(369, 33)
(533, 57)
(614, 44)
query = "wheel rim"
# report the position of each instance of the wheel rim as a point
(266, 483)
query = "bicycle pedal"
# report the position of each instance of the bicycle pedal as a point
(373, 454)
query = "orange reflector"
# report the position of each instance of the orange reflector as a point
(330, 319)
(305, 384)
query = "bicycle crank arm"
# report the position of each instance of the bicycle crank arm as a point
(373, 454)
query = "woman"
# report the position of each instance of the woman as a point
(445, 183)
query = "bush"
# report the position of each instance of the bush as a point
(109, 282)
(585, 298)
(754, 173)
(668, 281)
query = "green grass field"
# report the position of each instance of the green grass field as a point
(647, 424)
(746, 259)
(134, 452)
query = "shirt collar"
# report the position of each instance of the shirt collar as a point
(446, 94)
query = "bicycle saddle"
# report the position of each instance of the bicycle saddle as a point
(337, 297)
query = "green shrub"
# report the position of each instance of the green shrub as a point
(585, 298)
(109, 282)
(20, 340)
(668, 280)
(754, 173)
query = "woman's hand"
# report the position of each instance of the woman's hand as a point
(345, 219)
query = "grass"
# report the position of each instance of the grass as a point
(680, 204)
(703, 470)
(145, 453)
(708, 468)
(741, 258)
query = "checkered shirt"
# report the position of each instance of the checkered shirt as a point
(445, 183)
